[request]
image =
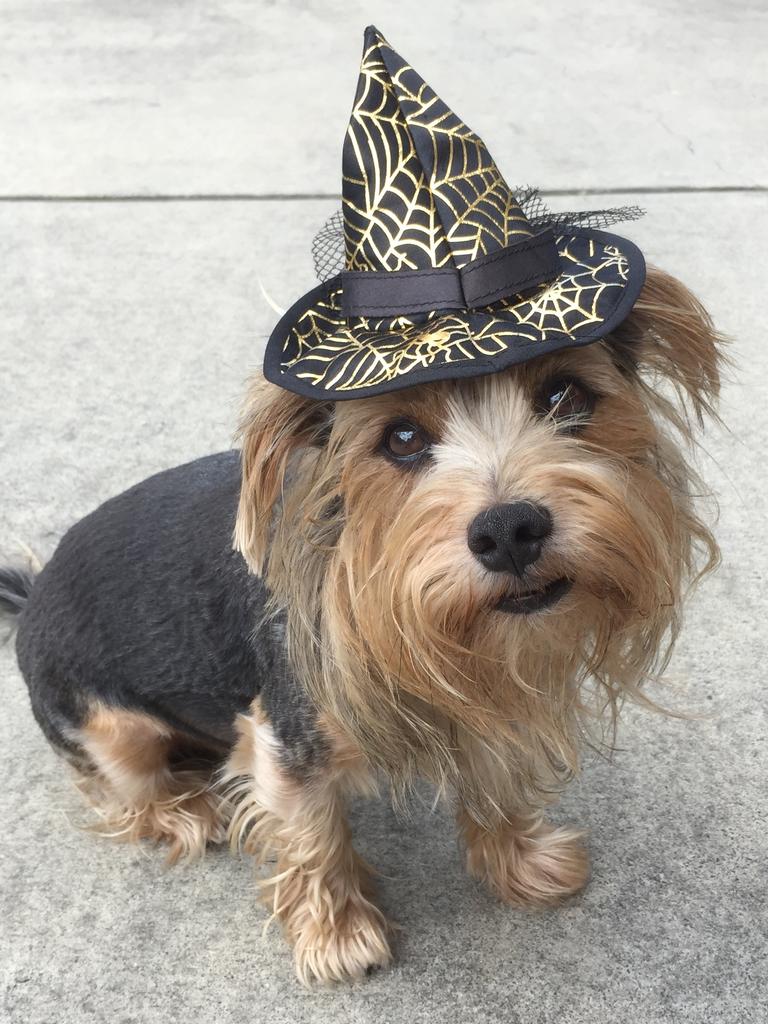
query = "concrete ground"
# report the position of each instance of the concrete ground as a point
(128, 323)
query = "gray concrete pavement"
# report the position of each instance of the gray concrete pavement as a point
(248, 96)
(126, 333)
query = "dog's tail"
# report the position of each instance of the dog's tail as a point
(15, 588)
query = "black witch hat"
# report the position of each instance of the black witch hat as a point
(444, 273)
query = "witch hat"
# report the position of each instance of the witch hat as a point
(444, 274)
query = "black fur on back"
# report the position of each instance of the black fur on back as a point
(145, 605)
(15, 588)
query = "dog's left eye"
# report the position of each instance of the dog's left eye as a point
(567, 401)
(405, 442)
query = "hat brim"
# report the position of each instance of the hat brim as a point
(316, 352)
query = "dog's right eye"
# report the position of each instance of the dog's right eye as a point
(405, 442)
(567, 401)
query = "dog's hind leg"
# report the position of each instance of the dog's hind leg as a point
(130, 777)
(320, 889)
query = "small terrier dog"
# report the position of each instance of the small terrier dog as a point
(454, 581)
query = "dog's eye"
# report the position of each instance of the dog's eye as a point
(405, 442)
(567, 401)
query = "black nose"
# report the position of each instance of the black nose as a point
(507, 538)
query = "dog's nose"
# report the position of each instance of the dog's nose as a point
(507, 538)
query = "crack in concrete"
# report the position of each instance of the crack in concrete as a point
(257, 197)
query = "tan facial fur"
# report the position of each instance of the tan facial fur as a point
(391, 620)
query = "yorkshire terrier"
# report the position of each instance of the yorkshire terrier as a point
(455, 582)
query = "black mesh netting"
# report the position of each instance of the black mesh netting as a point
(328, 243)
(328, 248)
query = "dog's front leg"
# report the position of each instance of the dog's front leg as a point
(524, 860)
(320, 889)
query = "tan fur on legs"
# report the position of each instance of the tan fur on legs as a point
(524, 860)
(320, 889)
(137, 793)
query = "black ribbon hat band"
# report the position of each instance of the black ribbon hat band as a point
(479, 283)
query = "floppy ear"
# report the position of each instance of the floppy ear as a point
(275, 424)
(670, 336)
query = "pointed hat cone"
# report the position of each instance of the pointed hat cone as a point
(420, 189)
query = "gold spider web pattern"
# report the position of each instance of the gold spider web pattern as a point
(333, 354)
(390, 220)
(420, 189)
(479, 211)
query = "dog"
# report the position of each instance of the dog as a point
(460, 581)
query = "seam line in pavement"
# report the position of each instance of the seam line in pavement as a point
(209, 197)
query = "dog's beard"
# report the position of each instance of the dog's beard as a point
(430, 676)
(398, 635)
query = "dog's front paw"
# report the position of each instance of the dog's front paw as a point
(535, 865)
(343, 947)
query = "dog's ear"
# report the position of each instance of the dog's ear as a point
(669, 336)
(275, 424)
